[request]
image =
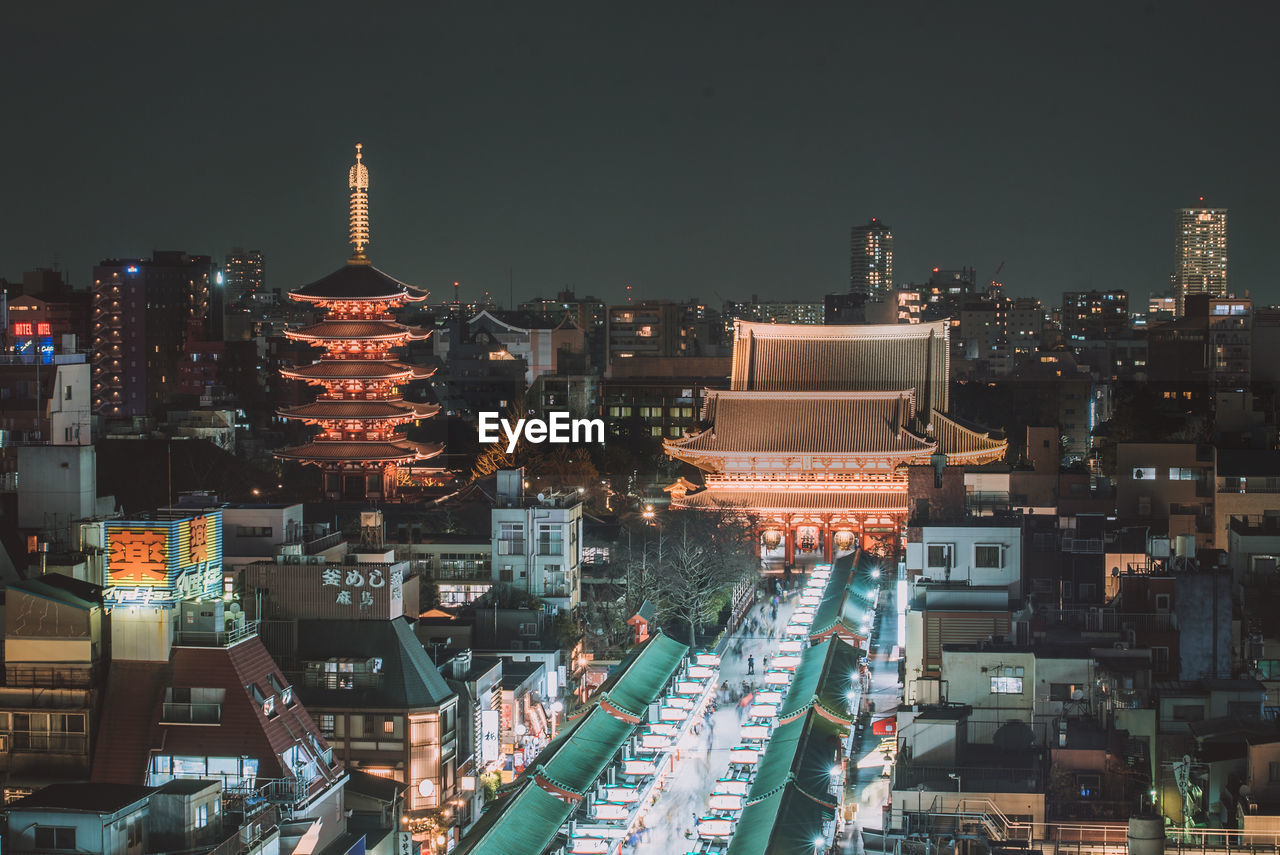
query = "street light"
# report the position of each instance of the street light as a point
(955, 777)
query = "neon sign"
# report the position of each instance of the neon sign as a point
(164, 560)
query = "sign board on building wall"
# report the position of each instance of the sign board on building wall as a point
(163, 560)
(489, 747)
(405, 844)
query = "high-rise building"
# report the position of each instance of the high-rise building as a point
(871, 259)
(1094, 314)
(142, 313)
(1200, 254)
(245, 276)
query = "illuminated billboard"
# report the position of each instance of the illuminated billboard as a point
(164, 560)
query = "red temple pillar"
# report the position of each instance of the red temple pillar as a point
(828, 544)
(790, 535)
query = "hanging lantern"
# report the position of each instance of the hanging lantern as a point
(843, 540)
(807, 538)
(773, 538)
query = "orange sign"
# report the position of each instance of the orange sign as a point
(139, 557)
(198, 542)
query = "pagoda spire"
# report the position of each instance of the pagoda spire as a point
(358, 183)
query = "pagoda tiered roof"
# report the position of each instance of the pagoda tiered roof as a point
(366, 330)
(859, 424)
(347, 409)
(358, 280)
(357, 369)
(353, 451)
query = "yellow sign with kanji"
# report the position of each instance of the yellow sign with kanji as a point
(139, 557)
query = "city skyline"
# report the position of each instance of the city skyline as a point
(692, 155)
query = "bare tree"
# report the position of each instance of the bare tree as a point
(690, 562)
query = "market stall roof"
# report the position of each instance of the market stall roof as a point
(527, 820)
(826, 673)
(791, 797)
(642, 676)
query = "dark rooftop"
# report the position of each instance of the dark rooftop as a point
(186, 786)
(89, 798)
(360, 282)
(409, 679)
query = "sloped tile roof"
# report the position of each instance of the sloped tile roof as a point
(409, 679)
(800, 423)
(342, 330)
(401, 449)
(351, 369)
(791, 498)
(358, 282)
(800, 357)
(323, 409)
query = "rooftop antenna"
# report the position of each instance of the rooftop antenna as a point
(358, 182)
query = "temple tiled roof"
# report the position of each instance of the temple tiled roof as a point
(799, 423)
(396, 408)
(357, 369)
(964, 445)
(808, 357)
(343, 330)
(357, 281)
(377, 452)
(793, 499)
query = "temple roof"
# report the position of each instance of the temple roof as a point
(794, 497)
(964, 445)
(811, 357)
(356, 281)
(343, 330)
(804, 423)
(386, 451)
(357, 369)
(397, 407)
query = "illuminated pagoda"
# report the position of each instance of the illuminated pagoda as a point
(360, 407)
(817, 428)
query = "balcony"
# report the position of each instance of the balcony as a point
(317, 545)
(191, 713)
(17, 677)
(227, 638)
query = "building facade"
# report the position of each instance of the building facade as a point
(142, 314)
(871, 259)
(1200, 254)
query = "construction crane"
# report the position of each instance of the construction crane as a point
(996, 276)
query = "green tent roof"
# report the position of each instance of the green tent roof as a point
(791, 796)
(526, 821)
(643, 675)
(826, 673)
(578, 760)
(785, 823)
(847, 596)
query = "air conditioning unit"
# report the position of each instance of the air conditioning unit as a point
(1121, 645)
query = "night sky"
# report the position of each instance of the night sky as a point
(691, 148)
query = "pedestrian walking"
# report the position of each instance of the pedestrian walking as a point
(764, 663)
(751, 660)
